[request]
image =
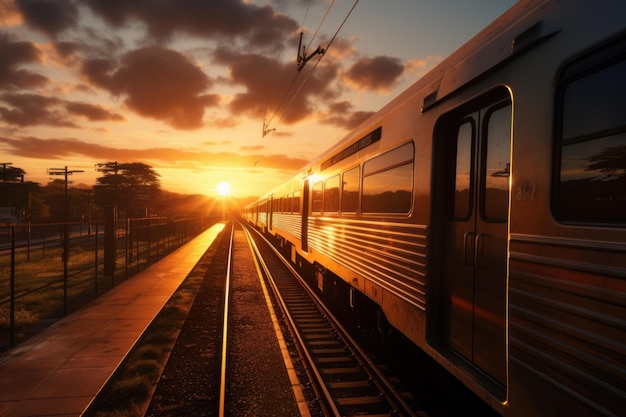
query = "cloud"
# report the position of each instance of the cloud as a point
(33, 109)
(49, 149)
(259, 25)
(49, 16)
(340, 114)
(13, 54)
(379, 73)
(9, 15)
(275, 89)
(93, 112)
(158, 83)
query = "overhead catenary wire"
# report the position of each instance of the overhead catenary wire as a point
(319, 26)
(293, 97)
(295, 78)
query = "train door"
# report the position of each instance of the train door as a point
(270, 214)
(477, 141)
(305, 216)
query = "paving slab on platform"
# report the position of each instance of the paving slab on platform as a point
(62, 369)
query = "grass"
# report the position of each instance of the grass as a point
(39, 283)
(130, 390)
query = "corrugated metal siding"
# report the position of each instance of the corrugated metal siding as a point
(288, 223)
(568, 319)
(392, 255)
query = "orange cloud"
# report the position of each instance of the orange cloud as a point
(50, 149)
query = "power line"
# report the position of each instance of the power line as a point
(321, 52)
(330, 6)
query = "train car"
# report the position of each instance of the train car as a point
(483, 212)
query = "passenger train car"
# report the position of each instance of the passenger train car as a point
(483, 212)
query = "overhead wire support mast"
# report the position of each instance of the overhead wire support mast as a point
(302, 59)
(302, 56)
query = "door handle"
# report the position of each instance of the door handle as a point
(479, 243)
(469, 255)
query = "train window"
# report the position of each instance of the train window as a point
(388, 181)
(463, 175)
(350, 191)
(296, 203)
(592, 172)
(331, 195)
(316, 201)
(497, 164)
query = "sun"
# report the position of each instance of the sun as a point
(223, 188)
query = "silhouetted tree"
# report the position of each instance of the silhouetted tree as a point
(10, 174)
(611, 162)
(133, 186)
(21, 196)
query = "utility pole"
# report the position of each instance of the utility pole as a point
(66, 228)
(110, 216)
(108, 167)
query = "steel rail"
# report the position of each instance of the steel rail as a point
(378, 378)
(320, 386)
(222, 399)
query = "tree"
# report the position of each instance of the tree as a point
(12, 174)
(21, 197)
(129, 186)
(611, 162)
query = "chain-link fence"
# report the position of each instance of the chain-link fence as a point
(49, 270)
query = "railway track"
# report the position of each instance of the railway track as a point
(346, 381)
(230, 372)
(226, 360)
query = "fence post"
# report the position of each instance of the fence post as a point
(95, 271)
(12, 307)
(109, 241)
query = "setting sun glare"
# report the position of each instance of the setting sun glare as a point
(223, 188)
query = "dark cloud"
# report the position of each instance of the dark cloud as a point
(378, 73)
(158, 83)
(340, 114)
(259, 25)
(274, 88)
(49, 16)
(13, 54)
(67, 49)
(33, 109)
(93, 112)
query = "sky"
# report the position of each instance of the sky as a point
(189, 87)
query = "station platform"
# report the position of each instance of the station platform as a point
(60, 371)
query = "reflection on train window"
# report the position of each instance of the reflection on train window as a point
(316, 201)
(331, 195)
(463, 176)
(296, 203)
(592, 175)
(350, 191)
(388, 182)
(286, 204)
(497, 165)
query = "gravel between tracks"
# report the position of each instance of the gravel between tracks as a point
(188, 386)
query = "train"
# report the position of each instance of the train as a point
(482, 212)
